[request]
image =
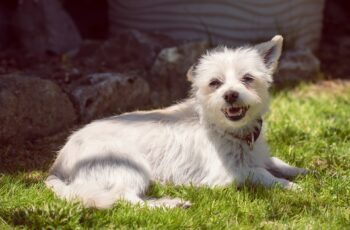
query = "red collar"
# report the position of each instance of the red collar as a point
(251, 137)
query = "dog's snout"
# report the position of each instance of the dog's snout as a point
(231, 96)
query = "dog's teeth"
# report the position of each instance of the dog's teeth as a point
(235, 111)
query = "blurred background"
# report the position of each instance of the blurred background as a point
(64, 63)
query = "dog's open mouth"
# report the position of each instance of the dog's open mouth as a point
(235, 113)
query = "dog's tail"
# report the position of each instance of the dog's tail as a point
(88, 194)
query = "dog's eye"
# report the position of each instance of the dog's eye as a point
(247, 78)
(215, 83)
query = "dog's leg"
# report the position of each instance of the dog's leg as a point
(263, 177)
(281, 169)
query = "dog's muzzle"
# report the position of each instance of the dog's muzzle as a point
(234, 112)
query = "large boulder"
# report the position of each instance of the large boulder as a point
(103, 94)
(44, 26)
(129, 49)
(297, 65)
(168, 73)
(31, 107)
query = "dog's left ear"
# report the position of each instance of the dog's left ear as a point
(190, 74)
(271, 51)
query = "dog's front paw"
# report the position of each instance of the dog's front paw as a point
(293, 186)
(286, 184)
(168, 203)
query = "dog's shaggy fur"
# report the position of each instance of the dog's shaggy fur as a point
(211, 139)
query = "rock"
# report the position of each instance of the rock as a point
(141, 47)
(129, 49)
(31, 107)
(296, 66)
(44, 26)
(169, 72)
(103, 94)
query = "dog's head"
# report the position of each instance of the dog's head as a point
(231, 85)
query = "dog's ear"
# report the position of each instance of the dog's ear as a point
(270, 51)
(190, 74)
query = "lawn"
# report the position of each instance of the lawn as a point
(308, 126)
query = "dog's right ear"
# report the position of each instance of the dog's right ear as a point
(190, 74)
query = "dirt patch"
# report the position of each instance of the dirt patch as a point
(336, 86)
(329, 87)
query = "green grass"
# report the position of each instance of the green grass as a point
(308, 126)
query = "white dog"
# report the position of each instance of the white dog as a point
(211, 139)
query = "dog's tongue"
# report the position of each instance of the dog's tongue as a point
(234, 111)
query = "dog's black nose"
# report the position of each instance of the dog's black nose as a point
(231, 96)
